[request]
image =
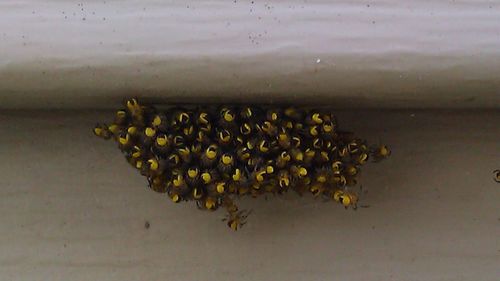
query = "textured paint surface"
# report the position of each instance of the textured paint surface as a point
(85, 54)
(73, 209)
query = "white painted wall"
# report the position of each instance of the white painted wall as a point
(389, 53)
(71, 208)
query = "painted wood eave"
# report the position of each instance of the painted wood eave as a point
(86, 54)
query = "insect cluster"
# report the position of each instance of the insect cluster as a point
(213, 155)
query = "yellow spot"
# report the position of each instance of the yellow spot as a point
(161, 140)
(221, 187)
(325, 156)
(206, 177)
(313, 131)
(337, 194)
(178, 140)
(321, 179)
(327, 128)
(285, 156)
(336, 165)
(174, 159)
(250, 145)
(259, 176)
(153, 164)
(124, 140)
(138, 164)
(237, 175)
(150, 132)
(201, 136)
(203, 118)
(248, 112)
(343, 152)
(346, 200)
(299, 156)
(362, 158)
(188, 131)
(211, 154)
(267, 125)
(184, 117)
(98, 131)
(352, 147)
(284, 182)
(131, 104)
(196, 148)
(157, 121)
(315, 190)
(340, 179)
(206, 128)
(197, 194)
(297, 141)
(269, 169)
(227, 159)
(210, 203)
(192, 173)
(175, 198)
(351, 170)
(317, 119)
(328, 144)
(233, 224)
(310, 153)
(274, 116)
(113, 128)
(224, 136)
(228, 117)
(178, 181)
(384, 151)
(256, 186)
(132, 130)
(184, 151)
(282, 137)
(242, 190)
(246, 129)
(137, 152)
(302, 171)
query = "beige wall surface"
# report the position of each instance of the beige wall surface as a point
(88, 54)
(72, 209)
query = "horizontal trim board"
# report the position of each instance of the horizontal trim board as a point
(61, 54)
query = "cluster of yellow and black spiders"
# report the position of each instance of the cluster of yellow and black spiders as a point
(213, 154)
